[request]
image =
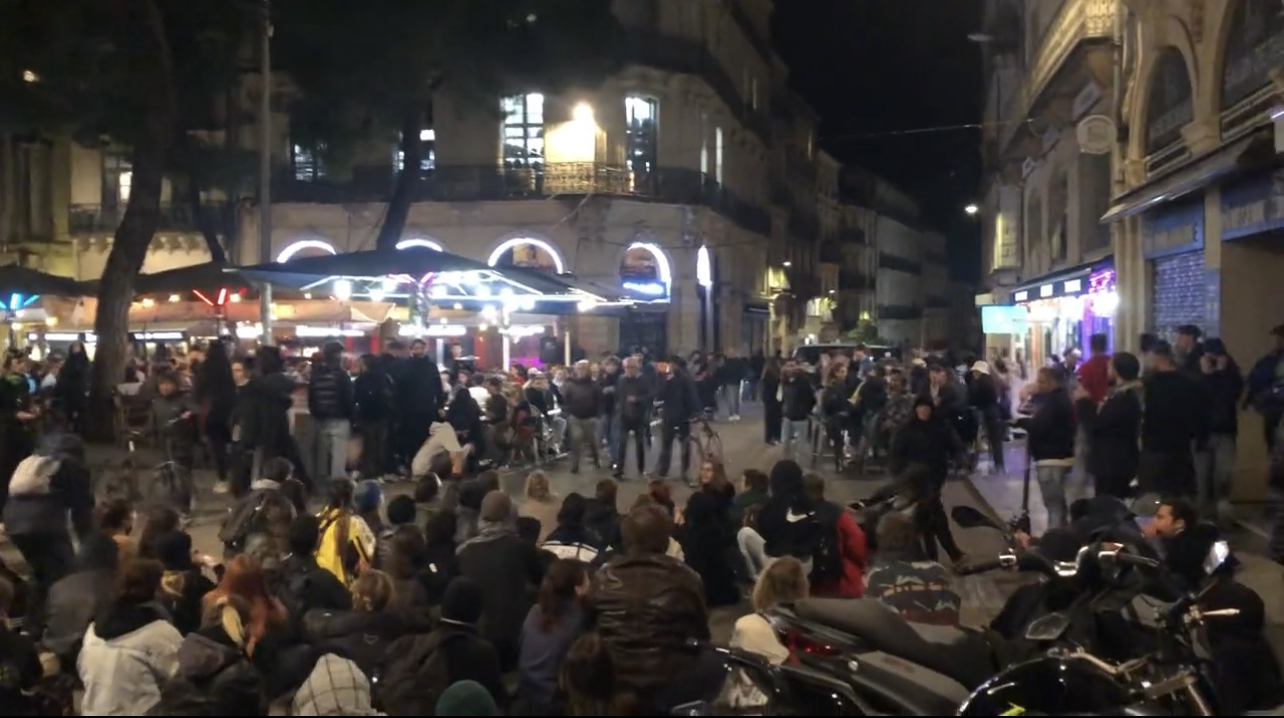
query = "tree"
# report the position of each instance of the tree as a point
(139, 74)
(368, 71)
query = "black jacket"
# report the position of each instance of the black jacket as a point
(1113, 430)
(47, 487)
(633, 398)
(930, 443)
(1052, 427)
(1175, 413)
(798, 397)
(582, 398)
(330, 395)
(509, 571)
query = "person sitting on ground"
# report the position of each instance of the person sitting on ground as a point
(428, 499)
(214, 667)
(300, 582)
(551, 627)
(844, 577)
(412, 672)
(646, 605)
(603, 515)
(263, 515)
(571, 539)
(115, 519)
(906, 580)
(541, 503)
(20, 667)
(184, 583)
(507, 568)
(131, 648)
(75, 599)
(465, 498)
(347, 543)
(783, 583)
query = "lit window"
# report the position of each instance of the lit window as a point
(124, 182)
(717, 154)
(306, 166)
(30, 76)
(427, 155)
(640, 115)
(523, 132)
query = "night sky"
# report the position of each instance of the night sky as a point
(874, 68)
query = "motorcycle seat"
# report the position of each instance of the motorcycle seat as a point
(962, 655)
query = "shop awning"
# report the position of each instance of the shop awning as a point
(1059, 283)
(1190, 177)
(208, 278)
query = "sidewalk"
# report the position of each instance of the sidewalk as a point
(1002, 496)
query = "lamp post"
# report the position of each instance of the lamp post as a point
(265, 170)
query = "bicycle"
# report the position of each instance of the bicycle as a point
(171, 480)
(704, 439)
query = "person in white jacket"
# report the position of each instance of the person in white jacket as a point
(131, 649)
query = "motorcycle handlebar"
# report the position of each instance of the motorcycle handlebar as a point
(981, 567)
(1132, 559)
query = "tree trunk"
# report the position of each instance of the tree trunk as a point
(403, 192)
(135, 233)
(204, 220)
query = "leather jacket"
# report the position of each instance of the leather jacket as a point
(646, 606)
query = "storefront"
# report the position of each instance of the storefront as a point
(1063, 310)
(1172, 242)
(646, 279)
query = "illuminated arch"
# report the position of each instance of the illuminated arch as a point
(508, 244)
(408, 243)
(288, 253)
(662, 264)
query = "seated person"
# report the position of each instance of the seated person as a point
(902, 577)
(441, 440)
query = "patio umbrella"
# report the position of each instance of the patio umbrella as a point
(28, 282)
(207, 277)
(413, 261)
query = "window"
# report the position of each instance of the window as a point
(753, 93)
(523, 131)
(118, 178)
(704, 144)
(427, 153)
(640, 149)
(306, 166)
(717, 155)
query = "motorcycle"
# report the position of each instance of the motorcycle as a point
(754, 686)
(1174, 679)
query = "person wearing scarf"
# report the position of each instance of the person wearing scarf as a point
(508, 569)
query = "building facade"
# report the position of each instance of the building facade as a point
(1191, 124)
(1051, 70)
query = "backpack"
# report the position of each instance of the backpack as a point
(414, 675)
(827, 553)
(181, 697)
(244, 519)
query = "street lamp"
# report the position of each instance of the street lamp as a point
(971, 209)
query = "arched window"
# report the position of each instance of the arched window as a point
(1254, 46)
(1170, 106)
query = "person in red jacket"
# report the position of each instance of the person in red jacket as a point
(851, 543)
(1093, 376)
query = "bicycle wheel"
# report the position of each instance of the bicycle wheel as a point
(712, 445)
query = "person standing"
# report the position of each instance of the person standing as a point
(582, 398)
(330, 401)
(633, 393)
(1215, 465)
(1174, 423)
(1050, 440)
(1113, 427)
(215, 390)
(769, 386)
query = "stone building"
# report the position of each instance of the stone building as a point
(1183, 99)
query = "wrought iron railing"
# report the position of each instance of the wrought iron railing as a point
(887, 260)
(850, 280)
(97, 218)
(852, 235)
(899, 312)
(469, 183)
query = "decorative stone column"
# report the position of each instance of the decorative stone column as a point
(1132, 276)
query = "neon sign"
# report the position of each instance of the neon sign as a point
(18, 301)
(654, 289)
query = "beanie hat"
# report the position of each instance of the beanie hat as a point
(466, 698)
(368, 497)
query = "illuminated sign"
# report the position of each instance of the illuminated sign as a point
(93, 339)
(18, 301)
(1021, 297)
(1073, 286)
(653, 289)
(1046, 290)
(323, 332)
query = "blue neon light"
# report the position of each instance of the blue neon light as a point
(18, 301)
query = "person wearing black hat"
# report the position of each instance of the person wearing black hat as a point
(455, 644)
(184, 583)
(920, 454)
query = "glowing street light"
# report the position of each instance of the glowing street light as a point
(971, 209)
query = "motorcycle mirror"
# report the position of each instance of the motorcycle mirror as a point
(1008, 559)
(970, 518)
(1070, 569)
(1217, 556)
(1047, 628)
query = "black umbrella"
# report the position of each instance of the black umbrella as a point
(28, 282)
(413, 261)
(208, 277)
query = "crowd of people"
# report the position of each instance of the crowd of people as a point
(458, 600)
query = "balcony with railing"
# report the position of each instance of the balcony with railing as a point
(850, 280)
(1076, 22)
(852, 235)
(804, 225)
(470, 183)
(887, 260)
(92, 219)
(899, 312)
(830, 252)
